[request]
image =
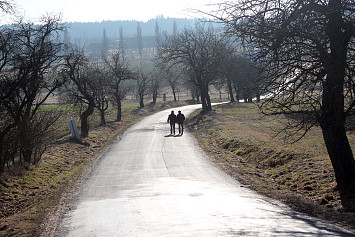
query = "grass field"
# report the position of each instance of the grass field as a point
(242, 141)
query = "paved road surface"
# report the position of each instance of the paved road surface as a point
(151, 184)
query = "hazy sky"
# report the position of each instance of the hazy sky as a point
(90, 10)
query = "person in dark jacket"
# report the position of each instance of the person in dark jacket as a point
(172, 120)
(180, 119)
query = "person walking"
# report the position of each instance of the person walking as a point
(180, 119)
(172, 120)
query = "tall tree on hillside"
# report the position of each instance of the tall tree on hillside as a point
(175, 31)
(104, 45)
(122, 47)
(157, 32)
(139, 40)
(307, 51)
(66, 39)
(157, 36)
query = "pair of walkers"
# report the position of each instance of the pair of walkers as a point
(179, 118)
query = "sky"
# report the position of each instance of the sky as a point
(91, 11)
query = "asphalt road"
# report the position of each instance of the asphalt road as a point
(152, 184)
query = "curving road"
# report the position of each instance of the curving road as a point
(151, 184)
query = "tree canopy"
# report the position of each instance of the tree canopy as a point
(306, 51)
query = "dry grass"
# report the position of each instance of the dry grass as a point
(239, 139)
(27, 197)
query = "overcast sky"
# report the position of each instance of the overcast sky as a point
(89, 10)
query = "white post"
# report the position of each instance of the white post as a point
(73, 129)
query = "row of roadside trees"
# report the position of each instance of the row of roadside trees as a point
(300, 55)
(306, 52)
(206, 58)
(36, 61)
(303, 63)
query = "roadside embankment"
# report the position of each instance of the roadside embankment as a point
(32, 200)
(244, 143)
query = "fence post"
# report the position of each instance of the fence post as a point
(73, 129)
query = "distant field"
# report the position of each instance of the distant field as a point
(243, 142)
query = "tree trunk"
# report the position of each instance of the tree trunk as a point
(119, 109)
(84, 120)
(27, 154)
(341, 156)
(230, 90)
(102, 117)
(203, 101)
(258, 98)
(2, 157)
(197, 95)
(155, 95)
(208, 100)
(332, 119)
(141, 101)
(174, 92)
(205, 98)
(237, 94)
(332, 122)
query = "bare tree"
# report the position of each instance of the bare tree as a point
(172, 74)
(142, 79)
(6, 6)
(307, 51)
(118, 72)
(6, 46)
(174, 79)
(28, 54)
(244, 76)
(229, 71)
(98, 79)
(155, 80)
(80, 88)
(198, 52)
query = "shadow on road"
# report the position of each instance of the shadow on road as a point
(172, 135)
(320, 229)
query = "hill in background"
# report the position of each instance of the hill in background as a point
(90, 34)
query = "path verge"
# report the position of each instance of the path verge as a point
(33, 200)
(241, 141)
